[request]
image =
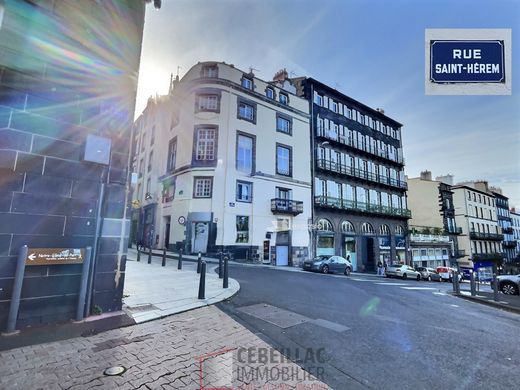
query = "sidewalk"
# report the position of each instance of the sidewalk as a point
(506, 302)
(152, 291)
(163, 354)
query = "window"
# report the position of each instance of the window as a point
(269, 93)
(367, 228)
(245, 153)
(399, 231)
(202, 187)
(210, 71)
(347, 227)
(172, 155)
(324, 225)
(244, 191)
(384, 230)
(207, 103)
(319, 100)
(334, 106)
(206, 144)
(150, 159)
(242, 229)
(152, 137)
(283, 98)
(246, 111)
(247, 82)
(283, 193)
(141, 168)
(283, 124)
(148, 185)
(283, 160)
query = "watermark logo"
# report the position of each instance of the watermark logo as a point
(468, 62)
(262, 368)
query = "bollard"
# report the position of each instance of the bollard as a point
(495, 287)
(472, 284)
(225, 283)
(199, 261)
(150, 255)
(202, 280)
(179, 263)
(163, 257)
(220, 266)
(138, 255)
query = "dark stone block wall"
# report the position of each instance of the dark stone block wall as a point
(68, 69)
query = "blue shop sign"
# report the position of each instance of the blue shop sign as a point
(467, 61)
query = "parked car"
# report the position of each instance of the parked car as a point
(402, 271)
(328, 264)
(429, 274)
(447, 273)
(509, 284)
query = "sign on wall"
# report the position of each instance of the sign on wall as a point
(53, 256)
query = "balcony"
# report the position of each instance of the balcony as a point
(454, 230)
(343, 204)
(486, 236)
(509, 244)
(286, 206)
(487, 256)
(508, 230)
(346, 170)
(343, 140)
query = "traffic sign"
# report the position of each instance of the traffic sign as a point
(53, 256)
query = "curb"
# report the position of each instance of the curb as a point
(486, 302)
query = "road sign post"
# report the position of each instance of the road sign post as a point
(84, 284)
(17, 291)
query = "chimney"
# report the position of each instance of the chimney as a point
(281, 75)
(380, 110)
(446, 179)
(426, 175)
(481, 185)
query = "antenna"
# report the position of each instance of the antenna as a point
(178, 68)
(292, 73)
(251, 69)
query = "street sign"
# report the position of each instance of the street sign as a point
(53, 256)
(467, 61)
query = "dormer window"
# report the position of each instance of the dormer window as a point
(247, 83)
(284, 99)
(210, 71)
(269, 93)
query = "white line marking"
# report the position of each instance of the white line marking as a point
(439, 293)
(418, 288)
(391, 284)
(361, 280)
(454, 305)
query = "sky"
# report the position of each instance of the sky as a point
(370, 50)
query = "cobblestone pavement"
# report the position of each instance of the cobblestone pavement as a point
(161, 354)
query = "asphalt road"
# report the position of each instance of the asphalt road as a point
(381, 333)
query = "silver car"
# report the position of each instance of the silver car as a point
(328, 264)
(402, 271)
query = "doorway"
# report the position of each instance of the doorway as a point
(167, 232)
(282, 255)
(200, 235)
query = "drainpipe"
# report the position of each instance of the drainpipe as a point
(312, 234)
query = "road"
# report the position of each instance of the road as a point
(380, 333)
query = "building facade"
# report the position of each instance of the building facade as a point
(67, 97)
(476, 214)
(505, 225)
(434, 230)
(359, 187)
(515, 223)
(232, 163)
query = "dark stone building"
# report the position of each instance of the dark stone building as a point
(359, 187)
(68, 74)
(505, 223)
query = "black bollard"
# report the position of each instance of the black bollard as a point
(179, 263)
(164, 257)
(225, 283)
(220, 266)
(202, 280)
(138, 255)
(472, 284)
(199, 262)
(150, 256)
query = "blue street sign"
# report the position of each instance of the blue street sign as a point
(467, 61)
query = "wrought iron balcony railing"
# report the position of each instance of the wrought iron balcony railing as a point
(286, 206)
(486, 236)
(338, 203)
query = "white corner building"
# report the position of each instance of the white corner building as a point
(223, 164)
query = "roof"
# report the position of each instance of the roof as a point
(374, 112)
